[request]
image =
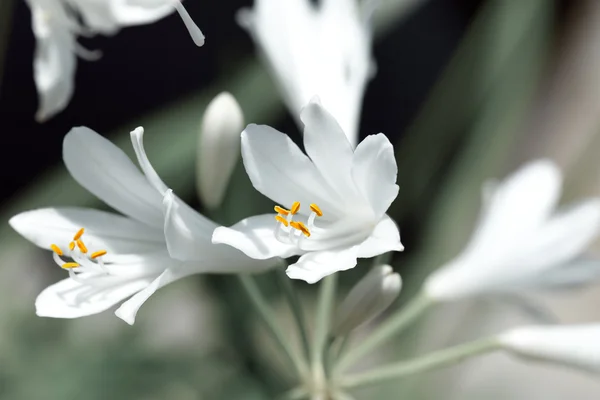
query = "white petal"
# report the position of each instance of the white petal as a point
(104, 170)
(137, 140)
(328, 148)
(280, 171)
(385, 237)
(312, 267)
(577, 272)
(128, 13)
(374, 172)
(576, 346)
(128, 310)
(519, 205)
(71, 299)
(103, 230)
(53, 66)
(255, 237)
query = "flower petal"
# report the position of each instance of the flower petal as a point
(71, 299)
(103, 230)
(385, 237)
(374, 172)
(312, 267)
(137, 140)
(280, 171)
(328, 148)
(255, 237)
(104, 170)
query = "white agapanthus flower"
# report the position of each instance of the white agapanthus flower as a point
(332, 201)
(57, 24)
(322, 50)
(520, 242)
(572, 345)
(111, 257)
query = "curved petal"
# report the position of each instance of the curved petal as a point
(280, 171)
(385, 237)
(374, 172)
(312, 267)
(71, 299)
(328, 147)
(104, 170)
(518, 206)
(137, 140)
(565, 276)
(255, 236)
(103, 230)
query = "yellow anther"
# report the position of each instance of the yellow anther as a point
(71, 246)
(281, 210)
(81, 246)
(315, 208)
(56, 249)
(98, 253)
(78, 234)
(295, 207)
(70, 265)
(301, 227)
(279, 218)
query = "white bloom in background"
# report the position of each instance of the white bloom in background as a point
(322, 50)
(520, 242)
(576, 345)
(57, 24)
(371, 296)
(112, 257)
(218, 148)
(335, 197)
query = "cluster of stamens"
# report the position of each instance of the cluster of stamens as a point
(295, 229)
(82, 259)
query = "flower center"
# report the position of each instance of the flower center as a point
(81, 260)
(290, 231)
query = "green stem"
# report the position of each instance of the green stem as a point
(296, 307)
(392, 326)
(438, 359)
(268, 316)
(321, 338)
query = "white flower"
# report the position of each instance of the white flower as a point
(371, 296)
(56, 25)
(322, 50)
(218, 147)
(337, 198)
(576, 346)
(115, 257)
(519, 243)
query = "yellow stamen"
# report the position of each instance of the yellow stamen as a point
(98, 253)
(295, 207)
(279, 218)
(56, 249)
(71, 246)
(81, 246)
(315, 208)
(78, 234)
(301, 227)
(281, 210)
(70, 265)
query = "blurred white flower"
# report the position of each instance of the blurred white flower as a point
(576, 345)
(218, 148)
(57, 24)
(337, 197)
(371, 296)
(322, 50)
(115, 257)
(519, 243)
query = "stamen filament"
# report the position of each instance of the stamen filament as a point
(56, 249)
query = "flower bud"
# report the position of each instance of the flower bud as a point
(575, 346)
(218, 148)
(367, 299)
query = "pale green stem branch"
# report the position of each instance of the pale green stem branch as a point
(296, 306)
(268, 316)
(392, 326)
(321, 337)
(438, 359)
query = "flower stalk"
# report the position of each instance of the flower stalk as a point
(296, 307)
(321, 337)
